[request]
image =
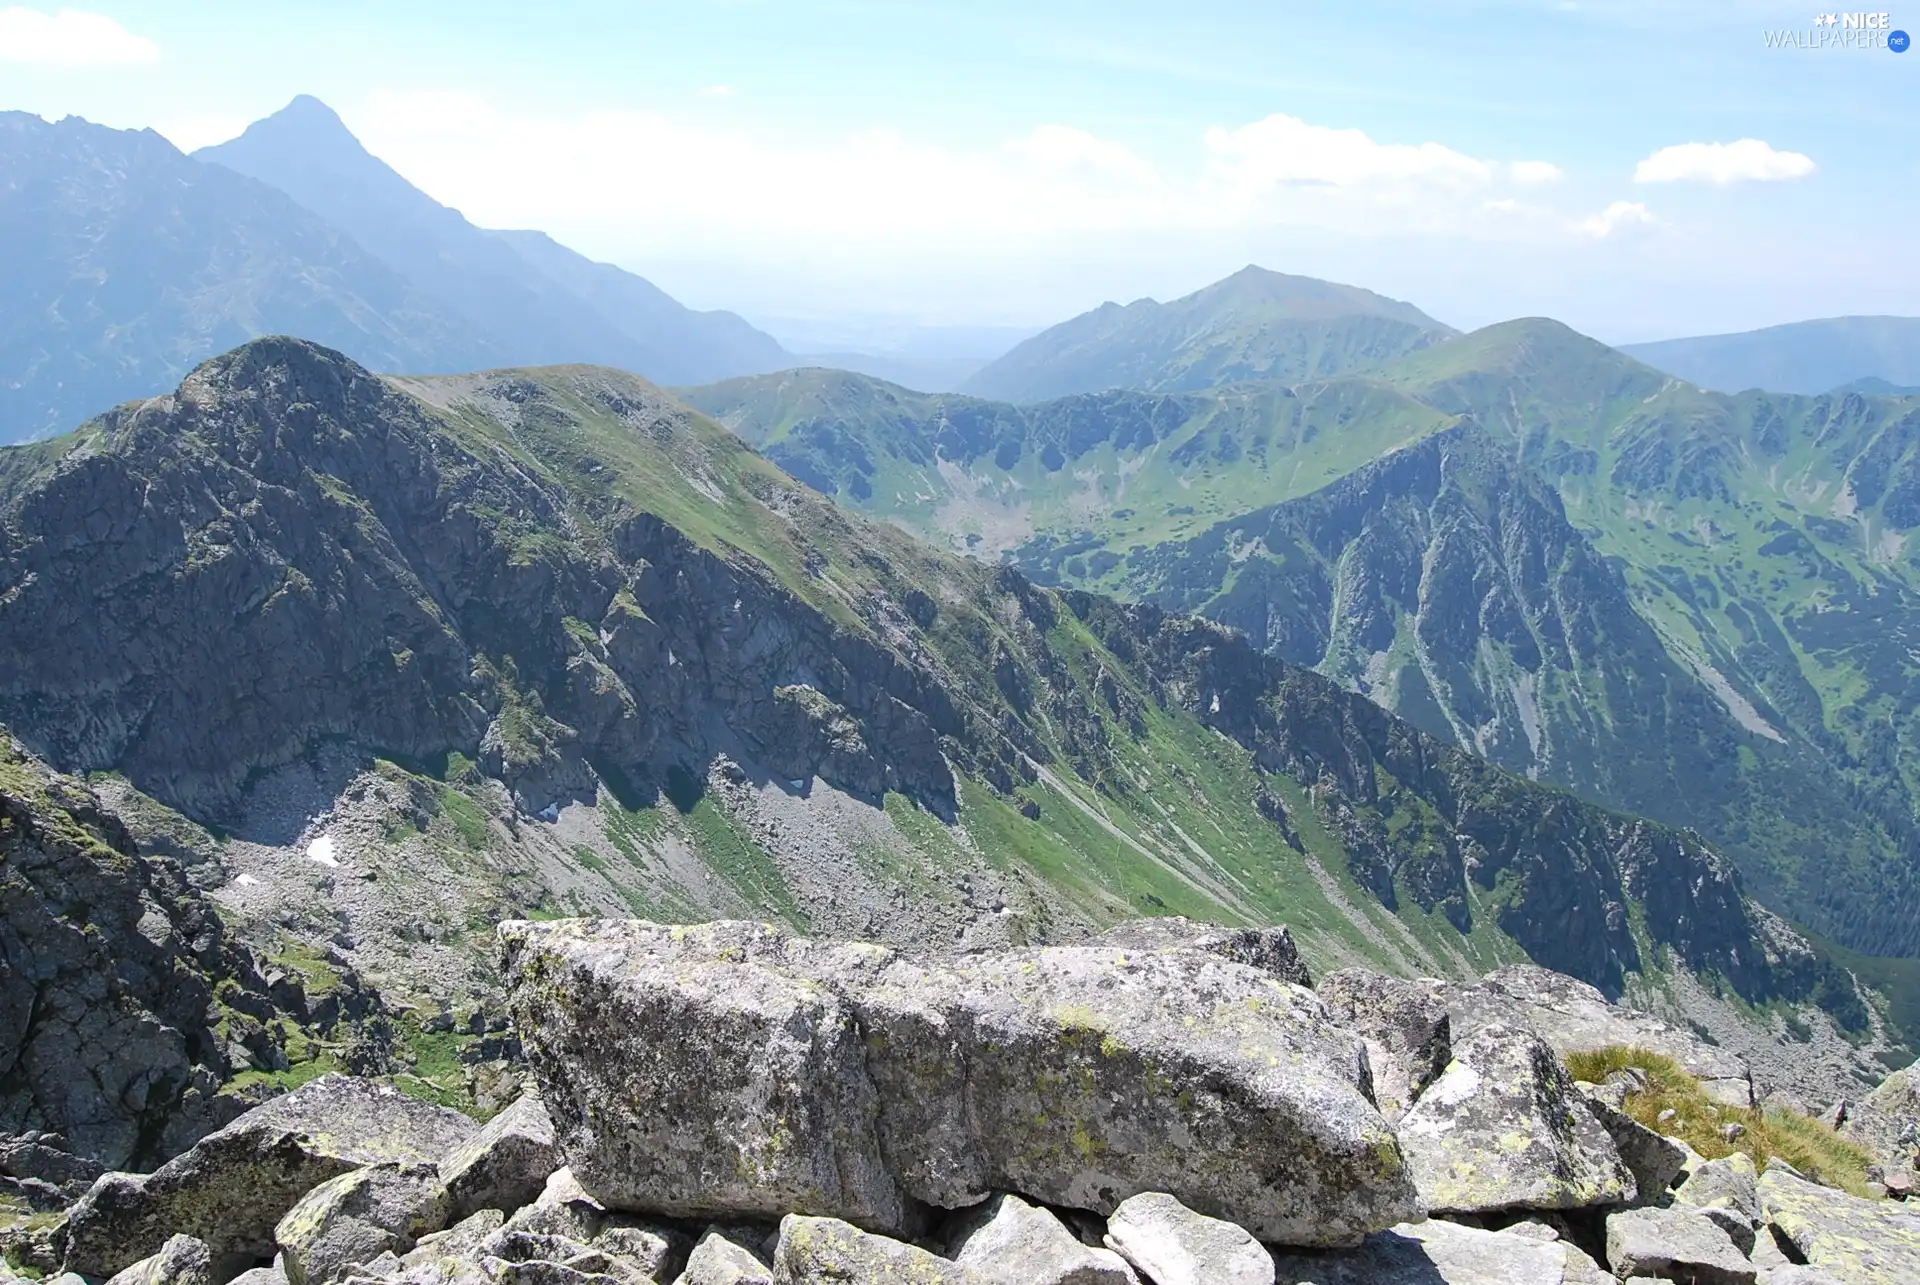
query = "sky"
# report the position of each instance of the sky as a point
(1639, 170)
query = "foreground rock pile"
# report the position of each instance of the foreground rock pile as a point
(728, 1103)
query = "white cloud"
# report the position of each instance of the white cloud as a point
(1618, 215)
(1749, 159)
(1534, 173)
(717, 91)
(70, 38)
(641, 184)
(1285, 150)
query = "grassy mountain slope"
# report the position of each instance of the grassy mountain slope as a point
(1254, 324)
(551, 637)
(127, 263)
(538, 300)
(1135, 468)
(1620, 561)
(1801, 357)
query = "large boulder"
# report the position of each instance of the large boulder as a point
(1887, 1123)
(716, 1260)
(1675, 1244)
(1405, 1024)
(355, 1218)
(731, 1069)
(1170, 1244)
(183, 1260)
(1015, 1243)
(1863, 1242)
(1437, 1252)
(1574, 1017)
(1654, 1159)
(232, 1186)
(826, 1251)
(505, 1165)
(1271, 950)
(1504, 1128)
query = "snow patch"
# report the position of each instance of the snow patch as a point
(322, 850)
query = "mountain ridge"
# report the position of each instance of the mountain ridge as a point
(1255, 324)
(542, 302)
(1806, 357)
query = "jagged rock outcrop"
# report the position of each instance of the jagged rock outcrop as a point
(1504, 1128)
(1406, 1026)
(233, 1186)
(505, 1165)
(1271, 950)
(845, 1079)
(124, 1004)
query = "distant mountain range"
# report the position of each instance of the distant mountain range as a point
(545, 303)
(1683, 603)
(128, 262)
(1255, 324)
(1802, 357)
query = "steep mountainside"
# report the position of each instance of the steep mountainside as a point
(538, 300)
(1253, 325)
(1136, 468)
(1620, 561)
(423, 652)
(126, 263)
(1802, 357)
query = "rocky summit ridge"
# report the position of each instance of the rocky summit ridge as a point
(1172, 1105)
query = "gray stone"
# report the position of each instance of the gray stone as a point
(1170, 1244)
(232, 1186)
(1730, 1182)
(1863, 1242)
(1654, 1159)
(1437, 1252)
(183, 1260)
(1271, 950)
(730, 1069)
(1740, 1230)
(1503, 1128)
(462, 1240)
(355, 1218)
(1016, 1243)
(717, 1260)
(1796, 1274)
(1574, 1017)
(1406, 1027)
(505, 1165)
(826, 1251)
(1675, 1244)
(274, 1275)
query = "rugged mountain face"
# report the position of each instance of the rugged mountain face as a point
(553, 639)
(537, 300)
(127, 263)
(1802, 357)
(1622, 561)
(1253, 325)
(124, 1002)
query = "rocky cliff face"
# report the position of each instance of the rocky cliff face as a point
(582, 648)
(124, 1003)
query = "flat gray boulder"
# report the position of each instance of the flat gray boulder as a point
(183, 1260)
(1678, 1243)
(505, 1165)
(717, 1260)
(1271, 950)
(231, 1187)
(1863, 1242)
(730, 1069)
(1437, 1252)
(1170, 1244)
(1504, 1128)
(1408, 1032)
(826, 1251)
(1731, 1182)
(1015, 1243)
(355, 1218)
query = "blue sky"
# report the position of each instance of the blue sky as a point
(1635, 169)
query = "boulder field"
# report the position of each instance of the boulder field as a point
(730, 1103)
